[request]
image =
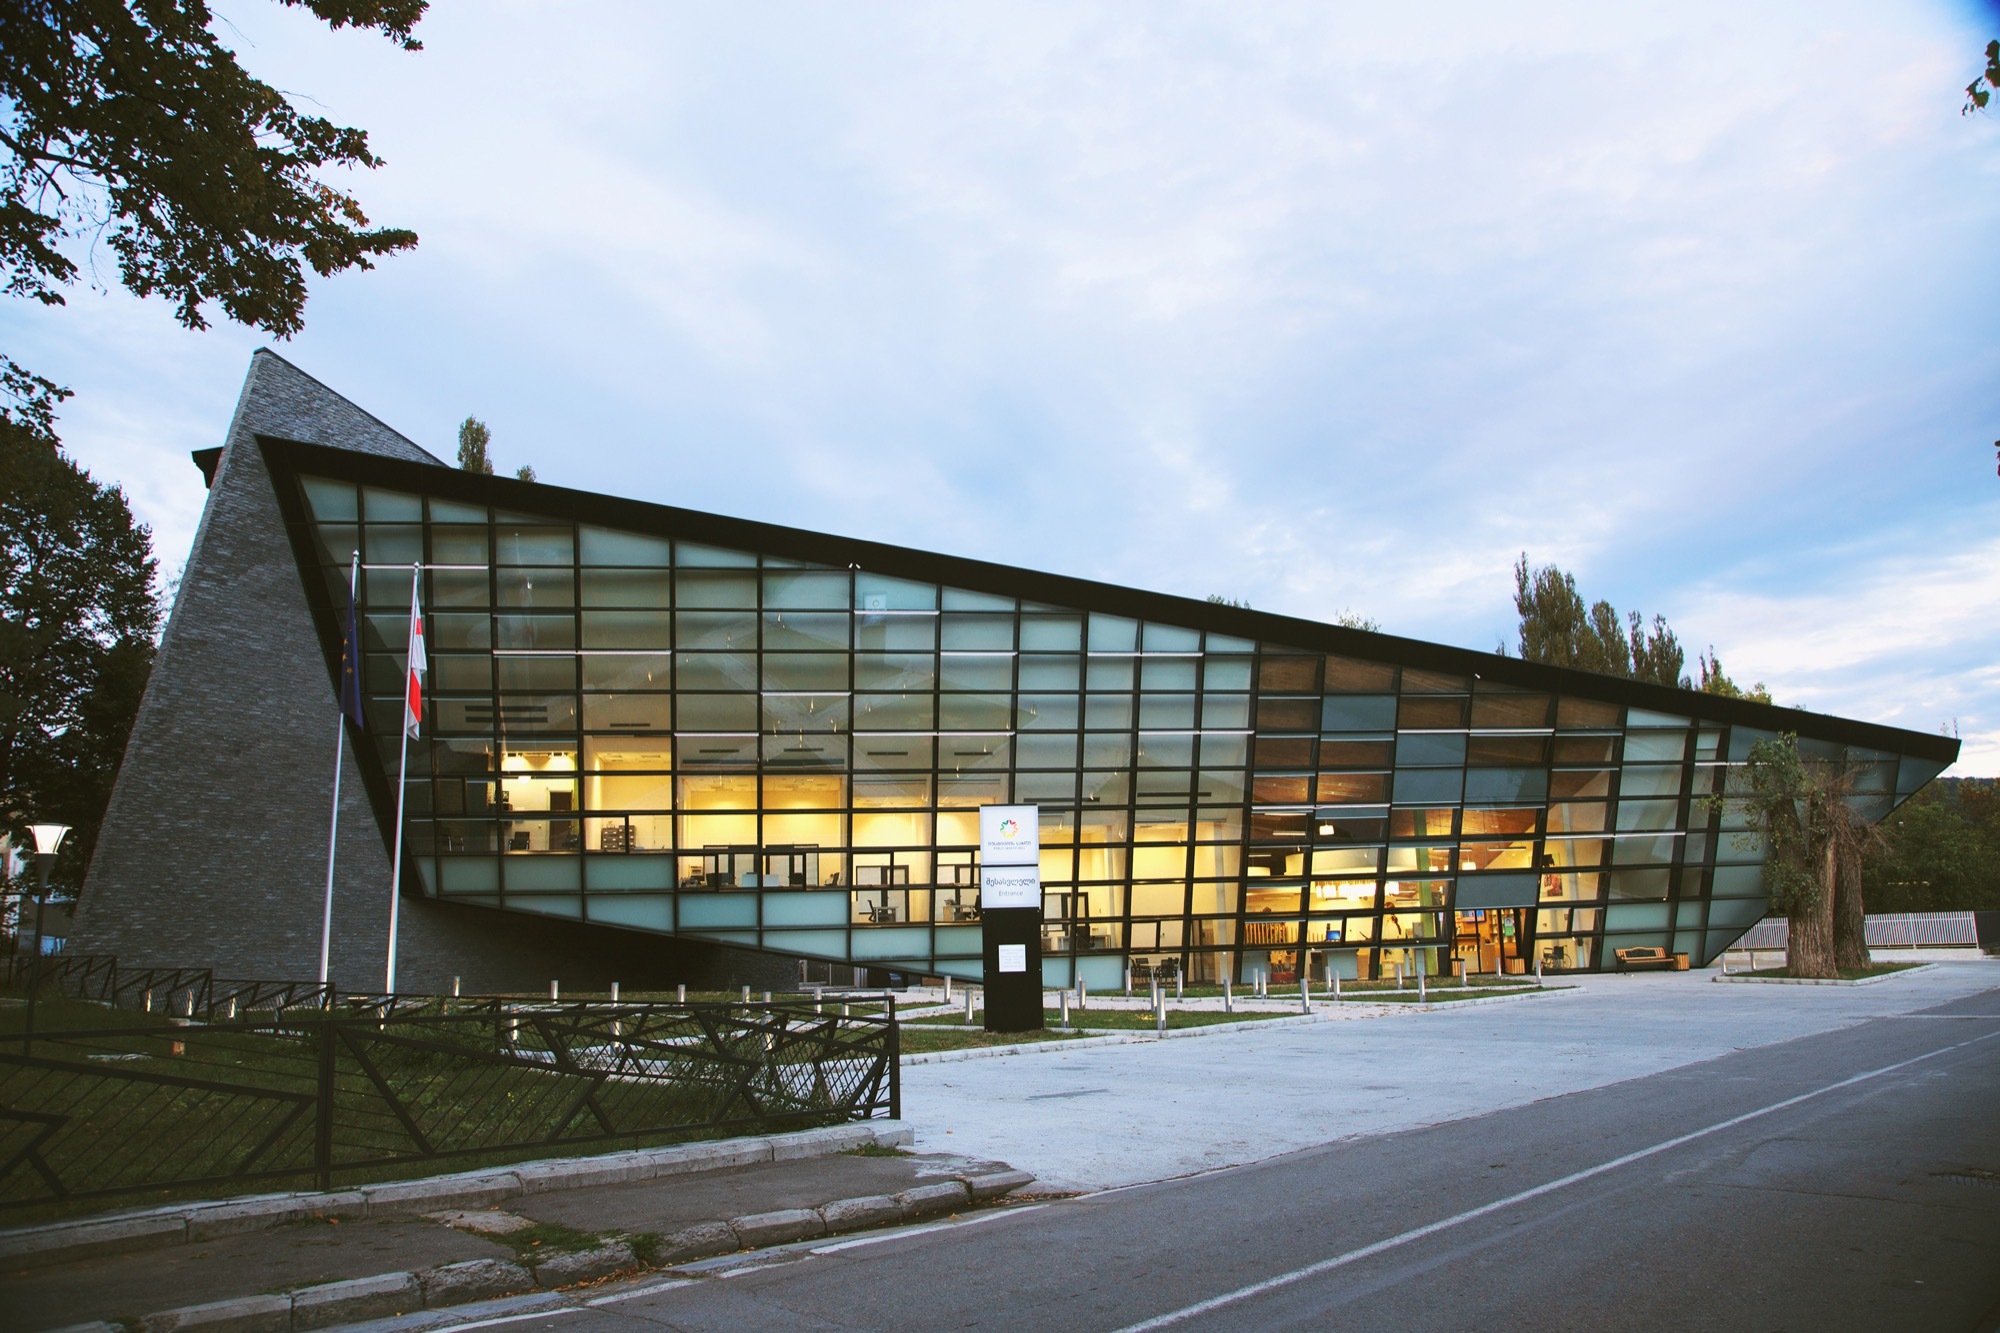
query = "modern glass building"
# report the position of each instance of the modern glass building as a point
(652, 720)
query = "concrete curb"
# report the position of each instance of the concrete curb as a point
(404, 1300)
(1821, 981)
(191, 1223)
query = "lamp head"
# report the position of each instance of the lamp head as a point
(48, 837)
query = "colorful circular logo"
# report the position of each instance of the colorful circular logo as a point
(1010, 828)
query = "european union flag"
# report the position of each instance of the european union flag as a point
(350, 664)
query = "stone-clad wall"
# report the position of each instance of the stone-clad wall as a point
(214, 845)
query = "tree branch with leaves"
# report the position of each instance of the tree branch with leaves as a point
(127, 123)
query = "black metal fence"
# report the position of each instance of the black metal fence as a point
(314, 1095)
(182, 992)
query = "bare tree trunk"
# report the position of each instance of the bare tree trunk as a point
(1850, 939)
(1809, 949)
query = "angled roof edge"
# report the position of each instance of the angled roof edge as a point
(329, 389)
(292, 456)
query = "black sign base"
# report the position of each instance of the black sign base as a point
(1013, 999)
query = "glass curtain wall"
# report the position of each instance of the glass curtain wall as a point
(663, 735)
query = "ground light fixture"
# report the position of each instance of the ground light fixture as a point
(48, 838)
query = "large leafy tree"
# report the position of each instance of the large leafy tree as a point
(78, 612)
(1556, 627)
(1940, 851)
(127, 123)
(1801, 807)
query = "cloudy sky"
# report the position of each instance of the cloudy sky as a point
(1322, 305)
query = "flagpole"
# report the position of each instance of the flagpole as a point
(339, 755)
(402, 786)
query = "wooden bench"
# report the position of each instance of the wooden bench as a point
(1630, 960)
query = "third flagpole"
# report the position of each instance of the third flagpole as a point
(412, 717)
(349, 671)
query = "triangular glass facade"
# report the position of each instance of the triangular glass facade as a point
(643, 724)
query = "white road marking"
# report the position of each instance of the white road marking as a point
(1418, 1233)
(515, 1318)
(876, 1238)
(637, 1292)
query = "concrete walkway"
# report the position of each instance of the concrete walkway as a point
(325, 1271)
(1120, 1115)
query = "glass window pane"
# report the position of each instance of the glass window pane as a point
(1052, 634)
(805, 589)
(879, 592)
(718, 712)
(1047, 712)
(1171, 639)
(1359, 713)
(1574, 712)
(602, 546)
(627, 671)
(1113, 634)
(716, 671)
(805, 671)
(626, 629)
(960, 671)
(1511, 710)
(1428, 749)
(971, 631)
(1427, 713)
(1349, 675)
(806, 630)
(715, 587)
(894, 712)
(333, 501)
(1225, 673)
(692, 553)
(533, 544)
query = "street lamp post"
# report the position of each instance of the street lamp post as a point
(48, 837)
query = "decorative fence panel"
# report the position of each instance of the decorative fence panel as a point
(309, 1098)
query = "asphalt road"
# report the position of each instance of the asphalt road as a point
(1847, 1180)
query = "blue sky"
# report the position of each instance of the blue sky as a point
(1313, 305)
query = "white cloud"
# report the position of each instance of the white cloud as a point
(1323, 307)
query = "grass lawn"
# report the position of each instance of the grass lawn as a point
(1846, 973)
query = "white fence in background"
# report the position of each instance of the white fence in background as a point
(1888, 930)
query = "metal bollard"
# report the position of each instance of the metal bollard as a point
(968, 1006)
(1228, 1002)
(1178, 992)
(1422, 998)
(746, 995)
(1305, 994)
(1159, 1011)
(1128, 981)
(1065, 1008)
(947, 990)
(614, 992)
(1334, 977)
(1082, 993)
(767, 997)
(149, 1002)
(232, 1008)
(680, 995)
(555, 991)
(454, 988)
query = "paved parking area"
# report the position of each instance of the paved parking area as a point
(1120, 1115)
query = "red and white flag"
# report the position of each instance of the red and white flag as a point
(413, 690)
